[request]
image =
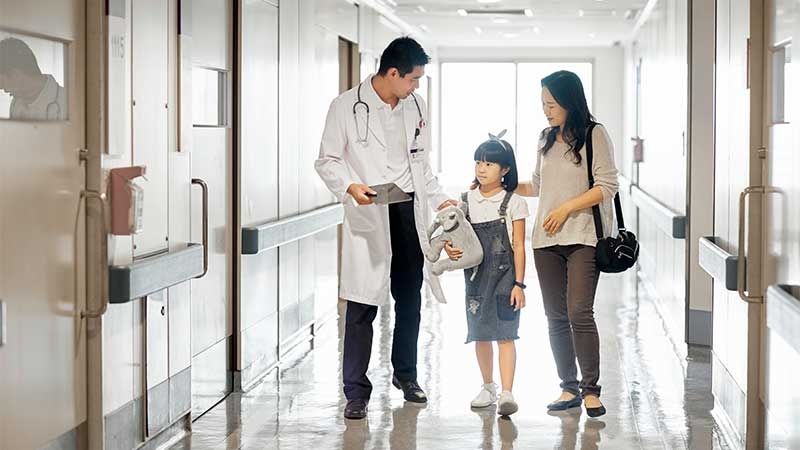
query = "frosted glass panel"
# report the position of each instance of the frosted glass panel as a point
(477, 98)
(32, 73)
(208, 97)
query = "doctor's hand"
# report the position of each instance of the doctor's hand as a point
(454, 253)
(359, 193)
(446, 204)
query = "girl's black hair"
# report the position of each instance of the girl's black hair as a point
(567, 89)
(499, 152)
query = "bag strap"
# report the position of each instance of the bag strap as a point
(598, 222)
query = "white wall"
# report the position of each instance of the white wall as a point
(661, 44)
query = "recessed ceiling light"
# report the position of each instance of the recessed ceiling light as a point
(500, 20)
(462, 12)
(536, 30)
(423, 28)
(580, 13)
(478, 30)
(614, 13)
(529, 12)
(592, 35)
(421, 9)
(628, 14)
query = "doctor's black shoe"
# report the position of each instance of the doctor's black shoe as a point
(356, 409)
(411, 390)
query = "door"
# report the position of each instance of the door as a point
(737, 362)
(42, 128)
(782, 228)
(211, 144)
(259, 317)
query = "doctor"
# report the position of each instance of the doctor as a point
(375, 133)
(36, 96)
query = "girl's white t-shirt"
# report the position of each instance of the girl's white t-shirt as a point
(485, 209)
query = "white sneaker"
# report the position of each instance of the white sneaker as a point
(486, 397)
(506, 406)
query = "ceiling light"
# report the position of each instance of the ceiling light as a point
(421, 9)
(536, 30)
(628, 14)
(614, 13)
(424, 28)
(529, 12)
(500, 20)
(580, 13)
(478, 30)
(591, 35)
(462, 12)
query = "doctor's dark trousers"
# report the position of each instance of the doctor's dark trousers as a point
(406, 283)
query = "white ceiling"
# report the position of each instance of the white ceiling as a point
(553, 23)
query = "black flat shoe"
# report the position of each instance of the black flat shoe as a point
(411, 390)
(564, 405)
(356, 409)
(596, 412)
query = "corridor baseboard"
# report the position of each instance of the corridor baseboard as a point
(700, 329)
(730, 404)
(125, 426)
(75, 439)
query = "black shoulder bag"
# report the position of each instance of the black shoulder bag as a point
(613, 254)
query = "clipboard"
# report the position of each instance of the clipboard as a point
(388, 193)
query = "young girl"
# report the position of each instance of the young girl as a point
(494, 294)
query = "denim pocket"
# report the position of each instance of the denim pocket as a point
(505, 310)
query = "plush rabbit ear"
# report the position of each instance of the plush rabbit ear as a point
(498, 137)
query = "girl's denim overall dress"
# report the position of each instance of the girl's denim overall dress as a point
(490, 316)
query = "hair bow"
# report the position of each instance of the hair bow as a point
(498, 137)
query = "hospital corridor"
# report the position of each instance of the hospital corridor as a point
(399, 225)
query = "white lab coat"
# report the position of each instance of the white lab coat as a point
(366, 245)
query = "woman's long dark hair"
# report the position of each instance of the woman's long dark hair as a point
(499, 152)
(567, 89)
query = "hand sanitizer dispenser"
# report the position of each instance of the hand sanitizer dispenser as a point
(127, 200)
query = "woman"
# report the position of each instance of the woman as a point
(564, 235)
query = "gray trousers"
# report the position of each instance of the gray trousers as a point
(568, 277)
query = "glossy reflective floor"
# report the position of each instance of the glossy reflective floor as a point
(655, 399)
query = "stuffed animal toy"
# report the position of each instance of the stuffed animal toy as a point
(456, 229)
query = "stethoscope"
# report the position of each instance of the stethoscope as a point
(359, 102)
(50, 113)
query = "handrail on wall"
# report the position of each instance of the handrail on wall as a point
(721, 265)
(671, 222)
(155, 273)
(783, 313)
(267, 235)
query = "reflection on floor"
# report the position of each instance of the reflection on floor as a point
(655, 399)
